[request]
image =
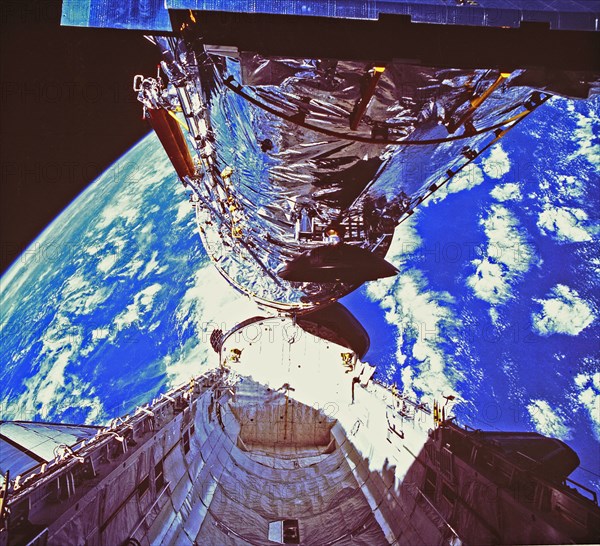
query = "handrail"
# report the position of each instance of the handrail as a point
(35, 540)
(127, 422)
(297, 119)
(451, 529)
(578, 485)
(145, 516)
(418, 406)
(525, 456)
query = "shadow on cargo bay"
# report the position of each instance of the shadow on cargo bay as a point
(289, 462)
(228, 460)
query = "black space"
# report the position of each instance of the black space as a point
(67, 111)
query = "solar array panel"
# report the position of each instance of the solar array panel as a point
(152, 15)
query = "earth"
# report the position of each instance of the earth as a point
(497, 299)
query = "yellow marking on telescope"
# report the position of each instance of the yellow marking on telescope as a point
(476, 102)
(178, 120)
(510, 120)
(518, 116)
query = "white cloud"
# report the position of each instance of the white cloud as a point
(75, 283)
(154, 326)
(52, 391)
(79, 296)
(142, 303)
(586, 136)
(184, 210)
(563, 312)
(505, 259)
(507, 242)
(128, 209)
(418, 314)
(188, 362)
(507, 192)
(489, 282)
(210, 299)
(588, 395)
(467, 178)
(571, 187)
(565, 223)
(107, 262)
(151, 265)
(100, 333)
(209, 303)
(497, 163)
(132, 266)
(548, 421)
(406, 240)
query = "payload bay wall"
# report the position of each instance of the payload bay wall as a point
(229, 461)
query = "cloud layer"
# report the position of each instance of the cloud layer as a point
(506, 257)
(588, 395)
(566, 224)
(548, 421)
(563, 312)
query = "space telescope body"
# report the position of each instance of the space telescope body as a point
(314, 137)
(305, 133)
